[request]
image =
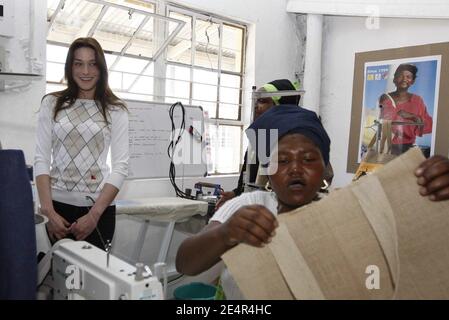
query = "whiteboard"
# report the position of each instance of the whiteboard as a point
(150, 133)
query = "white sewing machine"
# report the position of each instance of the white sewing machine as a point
(81, 271)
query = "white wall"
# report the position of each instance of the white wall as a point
(18, 107)
(343, 36)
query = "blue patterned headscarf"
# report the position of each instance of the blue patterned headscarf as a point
(293, 119)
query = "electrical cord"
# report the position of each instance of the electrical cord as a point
(172, 147)
(208, 42)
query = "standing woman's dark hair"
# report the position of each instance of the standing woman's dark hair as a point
(103, 94)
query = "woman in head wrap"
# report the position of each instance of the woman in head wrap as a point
(403, 106)
(295, 168)
(263, 105)
(302, 154)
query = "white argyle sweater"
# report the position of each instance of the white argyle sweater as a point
(73, 149)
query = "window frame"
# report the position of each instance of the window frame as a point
(161, 62)
(217, 121)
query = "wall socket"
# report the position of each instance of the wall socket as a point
(7, 18)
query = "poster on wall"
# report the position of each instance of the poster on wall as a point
(402, 94)
(398, 102)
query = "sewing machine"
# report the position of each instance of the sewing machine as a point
(211, 199)
(81, 271)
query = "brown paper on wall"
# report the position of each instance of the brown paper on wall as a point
(330, 248)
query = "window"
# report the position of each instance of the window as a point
(125, 30)
(205, 67)
(185, 56)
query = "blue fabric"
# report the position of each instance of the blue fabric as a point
(18, 262)
(292, 119)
